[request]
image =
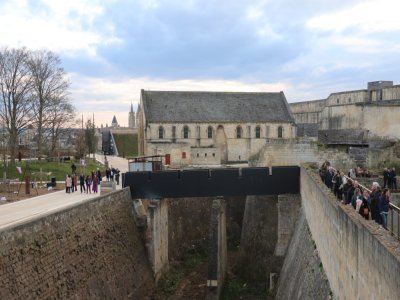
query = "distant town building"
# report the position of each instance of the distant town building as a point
(114, 122)
(108, 142)
(211, 127)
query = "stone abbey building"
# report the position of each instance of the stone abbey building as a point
(210, 127)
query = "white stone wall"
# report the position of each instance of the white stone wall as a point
(238, 149)
(296, 152)
(348, 97)
(381, 121)
(205, 156)
(307, 112)
(391, 93)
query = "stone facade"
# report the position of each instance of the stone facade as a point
(373, 109)
(298, 151)
(214, 141)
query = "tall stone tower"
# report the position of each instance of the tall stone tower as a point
(132, 118)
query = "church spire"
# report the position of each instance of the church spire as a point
(131, 107)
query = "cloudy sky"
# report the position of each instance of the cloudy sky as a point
(113, 48)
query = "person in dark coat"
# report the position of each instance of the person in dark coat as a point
(117, 175)
(328, 178)
(98, 173)
(73, 179)
(108, 174)
(364, 209)
(393, 179)
(350, 192)
(82, 183)
(375, 194)
(88, 184)
(337, 184)
(323, 170)
(383, 206)
(385, 177)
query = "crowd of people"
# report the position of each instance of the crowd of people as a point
(89, 183)
(372, 204)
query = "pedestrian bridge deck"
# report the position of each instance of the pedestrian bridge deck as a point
(213, 182)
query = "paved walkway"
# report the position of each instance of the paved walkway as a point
(24, 210)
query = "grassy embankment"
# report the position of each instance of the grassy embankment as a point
(49, 169)
(127, 144)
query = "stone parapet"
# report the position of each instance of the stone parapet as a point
(88, 251)
(361, 259)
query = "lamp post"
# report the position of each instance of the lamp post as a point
(3, 145)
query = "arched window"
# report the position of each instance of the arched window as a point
(209, 132)
(258, 132)
(238, 132)
(185, 132)
(160, 132)
(280, 132)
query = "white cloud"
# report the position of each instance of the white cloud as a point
(263, 27)
(54, 24)
(367, 17)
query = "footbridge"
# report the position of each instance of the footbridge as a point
(213, 182)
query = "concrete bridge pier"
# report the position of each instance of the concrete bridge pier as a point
(217, 249)
(157, 236)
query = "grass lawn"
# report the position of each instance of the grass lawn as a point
(127, 144)
(58, 170)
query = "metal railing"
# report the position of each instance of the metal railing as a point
(393, 215)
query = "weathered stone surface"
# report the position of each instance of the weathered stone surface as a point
(361, 259)
(259, 237)
(91, 250)
(217, 250)
(157, 236)
(302, 275)
(189, 221)
(288, 213)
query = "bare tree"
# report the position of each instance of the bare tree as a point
(59, 116)
(90, 137)
(50, 87)
(15, 94)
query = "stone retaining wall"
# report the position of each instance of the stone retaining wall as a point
(361, 259)
(91, 250)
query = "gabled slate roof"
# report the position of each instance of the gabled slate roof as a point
(207, 107)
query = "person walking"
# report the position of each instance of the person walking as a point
(82, 183)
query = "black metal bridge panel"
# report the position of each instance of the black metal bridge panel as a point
(213, 182)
